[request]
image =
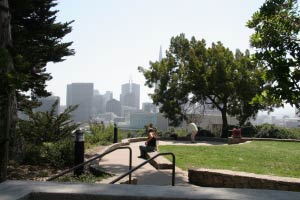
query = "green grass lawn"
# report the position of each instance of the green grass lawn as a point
(271, 158)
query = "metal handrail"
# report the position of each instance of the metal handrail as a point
(92, 159)
(147, 161)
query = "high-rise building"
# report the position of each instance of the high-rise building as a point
(130, 95)
(156, 86)
(107, 96)
(47, 103)
(160, 54)
(114, 106)
(149, 107)
(81, 94)
(98, 104)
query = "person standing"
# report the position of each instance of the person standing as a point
(192, 129)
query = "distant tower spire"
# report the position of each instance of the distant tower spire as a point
(159, 59)
(160, 54)
(130, 83)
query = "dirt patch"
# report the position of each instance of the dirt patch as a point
(40, 173)
(95, 150)
(30, 172)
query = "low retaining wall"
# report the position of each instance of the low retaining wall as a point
(198, 138)
(232, 179)
(232, 140)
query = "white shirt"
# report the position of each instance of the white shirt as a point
(192, 127)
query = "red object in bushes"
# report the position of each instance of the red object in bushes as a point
(236, 133)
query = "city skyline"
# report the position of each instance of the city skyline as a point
(116, 37)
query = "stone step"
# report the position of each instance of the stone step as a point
(160, 162)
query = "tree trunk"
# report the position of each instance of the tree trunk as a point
(225, 124)
(7, 95)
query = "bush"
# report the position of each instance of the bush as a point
(48, 137)
(181, 132)
(101, 136)
(33, 155)
(272, 131)
(249, 131)
(61, 154)
(204, 133)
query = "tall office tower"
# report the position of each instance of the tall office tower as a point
(98, 103)
(107, 96)
(47, 103)
(149, 107)
(159, 59)
(81, 94)
(130, 95)
(114, 106)
(160, 54)
(156, 86)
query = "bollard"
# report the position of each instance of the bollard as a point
(115, 134)
(79, 151)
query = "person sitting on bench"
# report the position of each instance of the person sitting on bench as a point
(150, 144)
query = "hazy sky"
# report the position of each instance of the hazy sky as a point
(113, 37)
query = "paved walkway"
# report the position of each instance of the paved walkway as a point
(117, 163)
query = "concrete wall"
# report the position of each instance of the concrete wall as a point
(232, 179)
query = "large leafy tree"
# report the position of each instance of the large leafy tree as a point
(276, 40)
(36, 40)
(192, 73)
(248, 82)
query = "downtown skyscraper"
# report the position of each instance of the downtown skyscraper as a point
(130, 95)
(81, 94)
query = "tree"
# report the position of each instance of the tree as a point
(248, 83)
(276, 41)
(193, 73)
(7, 95)
(37, 40)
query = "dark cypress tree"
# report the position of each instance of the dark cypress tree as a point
(36, 40)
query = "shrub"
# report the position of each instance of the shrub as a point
(272, 131)
(249, 131)
(101, 136)
(48, 137)
(204, 133)
(56, 154)
(33, 155)
(61, 154)
(181, 132)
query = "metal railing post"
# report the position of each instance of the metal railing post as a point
(115, 140)
(79, 151)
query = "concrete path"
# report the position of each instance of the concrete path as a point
(117, 163)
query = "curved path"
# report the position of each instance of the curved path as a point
(117, 163)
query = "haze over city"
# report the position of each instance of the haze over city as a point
(112, 38)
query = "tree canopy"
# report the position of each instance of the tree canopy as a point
(30, 37)
(276, 41)
(37, 40)
(194, 73)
